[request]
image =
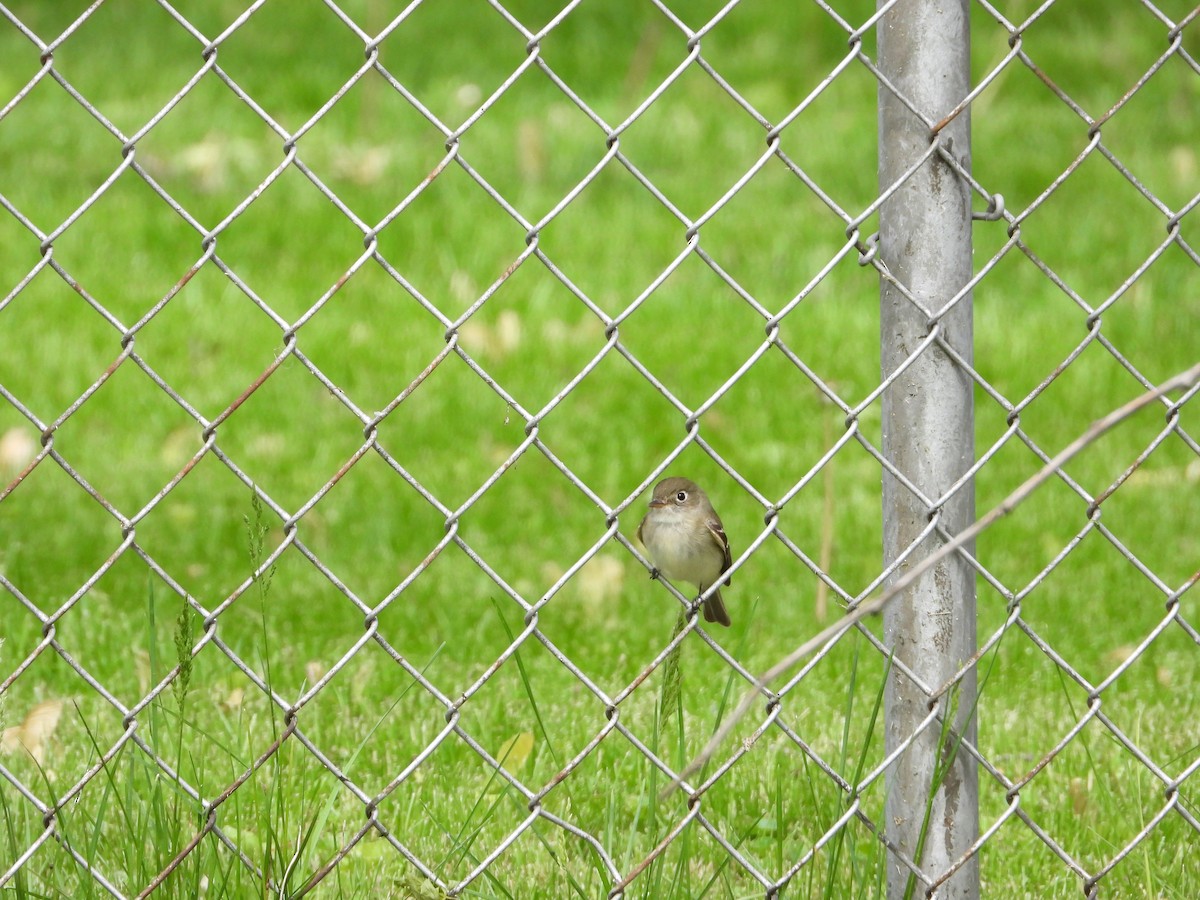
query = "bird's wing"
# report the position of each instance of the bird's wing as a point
(717, 530)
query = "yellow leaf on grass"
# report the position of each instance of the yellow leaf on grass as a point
(1078, 792)
(602, 580)
(515, 751)
(35, 732)
(17, 449)
(10, 739)
(314, 671)
(1119, 654)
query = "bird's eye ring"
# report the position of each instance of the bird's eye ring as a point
(681, 496)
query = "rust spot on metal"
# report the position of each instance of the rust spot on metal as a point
(21, 476)
(513, 266)
(191, 273)
(254, 386)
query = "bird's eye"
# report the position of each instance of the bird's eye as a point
(681, 497)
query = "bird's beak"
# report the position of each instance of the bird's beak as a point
(657, 502)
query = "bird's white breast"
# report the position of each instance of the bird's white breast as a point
(682, 549)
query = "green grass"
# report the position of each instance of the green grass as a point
(372, 530)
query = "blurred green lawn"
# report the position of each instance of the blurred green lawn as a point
(372, 338)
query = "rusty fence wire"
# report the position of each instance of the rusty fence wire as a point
(42, 783)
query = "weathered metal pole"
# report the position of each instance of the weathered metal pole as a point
(928, 424)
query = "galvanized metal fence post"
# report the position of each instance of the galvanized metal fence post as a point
(925, 245)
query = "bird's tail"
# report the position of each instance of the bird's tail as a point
(714, 609)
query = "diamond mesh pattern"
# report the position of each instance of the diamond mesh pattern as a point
(473, 149)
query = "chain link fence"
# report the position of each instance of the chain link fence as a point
(365, 616)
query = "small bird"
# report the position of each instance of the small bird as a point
(686, 541)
